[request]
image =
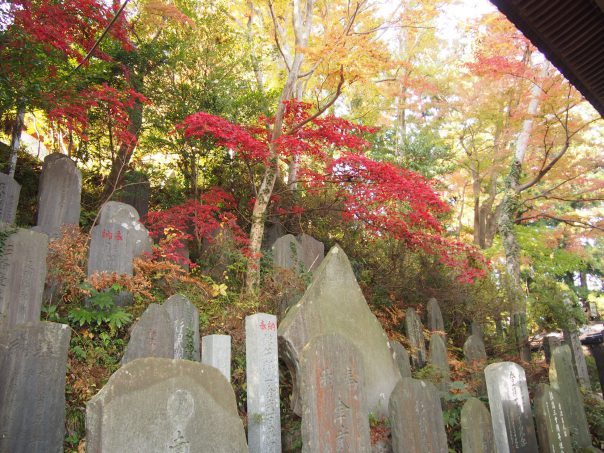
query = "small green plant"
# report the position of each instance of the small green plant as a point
(100, 309)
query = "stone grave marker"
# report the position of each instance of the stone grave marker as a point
(312, 252)
(22, 276)
(571, 338)
(262, 373)
(552, 426)
(473, 350)
(401, 357)
(416, 419)
(59, 195)
(135, 191)
(415, 335)
(158, 404)
(9, 198)
(439, 360)
(476, 329)
(511, 414)
(151, 336)
(185, 324)
(562, 379)
(334, 409)
(334, 303)
(216, 352)
(287, 253)
(550, 342)
(115, 211)
(33, 363)
(476, 428)
(434, 317)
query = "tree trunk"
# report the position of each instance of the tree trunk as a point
(15, 140)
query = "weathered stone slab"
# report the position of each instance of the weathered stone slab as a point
(510, 408)
(151, 336)
(60, 194)
(33, 363)
(9, 198)
(552, 426)
(111, 249)
(476, 329)
(117, 212)
(185, 323)
(312, 252)
(272, 232)
(476, 428)
(473, 350)
(550, 342)
(401, 357)
(135, 191)
(334, 303)
(262, 372)
(415, 335)
(434, 318)
(22, 276)
(164, 405)
(571, 338)
(562, 379)
(216, 352)
(416, 419)
(439, 360)
(287, 253)
(334, 409)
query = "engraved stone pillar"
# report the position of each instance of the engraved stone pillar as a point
(216, 352)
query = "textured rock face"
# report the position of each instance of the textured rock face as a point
(22, 275)
(416, 418)
(185, 323)
(9, 198)
(166, 405)
(334, 411)
(33, 363)
(435, 318)
(562, 379)
(415, 335)
(473, 350)
(552, 423)
(60, 195)
(511, 414)
(476, 428)
(334, 303)
(312, 251)
(401, 357)
(439, 359)
(152, 335)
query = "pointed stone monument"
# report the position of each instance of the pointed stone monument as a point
(334, 303)
(476, 428)
(415, 335)
(435, 318)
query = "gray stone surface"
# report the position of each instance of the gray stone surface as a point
(262, 373)
(312, 252)
(562, 379)
(476, 329)
(552, 426)
(401, 357)
(115, 211)
(415, 335)
(476, 428)
(22, 276)
(185, 322)
(164, 405)
(571, 338)
(334, 409)
(33, 363)
(9, 198)
(439, 360)
(416, 419)
(135, 191)
(287, 253)
(511, 414)
(151, 336)
(473, 350)
(434, 317)
(272, 232)
(216, 352)
(550, 342)
(59, 195)
(334, 303)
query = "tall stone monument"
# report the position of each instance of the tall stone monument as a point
(434, 318)
(415, 335)
(9, 198)
(334, 410)
(401, 357)
(152, 335)
(216, 352)
(312, 252)
(59, 195)
(262, 372)
(439, 360)
(334, 303)
(510, 408)
(185, 324)
(33, 363)
(476, 428)
(157, 404)
(552, 425)
(22, 276)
